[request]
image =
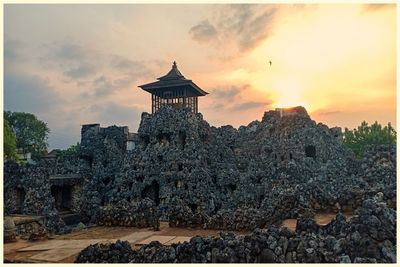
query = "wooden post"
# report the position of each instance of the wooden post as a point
(152, 104)
(184, 98)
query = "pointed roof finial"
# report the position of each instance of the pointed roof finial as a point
(173, 74)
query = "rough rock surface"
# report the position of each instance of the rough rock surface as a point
(370, 236)
(119, 252)
(124, 213)
(198, 175)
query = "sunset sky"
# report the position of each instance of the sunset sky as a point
(77, 64)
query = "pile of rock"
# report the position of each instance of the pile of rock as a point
(180, 214)
(243, 218)
(123, 213)
(369, 237)
(31, 230)
(119, 252)
(10, 232)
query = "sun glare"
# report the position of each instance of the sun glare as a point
(289, 94)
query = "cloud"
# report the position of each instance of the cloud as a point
(203, 31)
(377, 7)
(111, 113)
(227, 94)
(29, 93)
(127, 65)
(249, 105)
(104, 86)
(65, 126)
(242, 26)
(83, 70)
(223, 98)
(12, 49)
(73, 61)
(64, 136)
(67, 51)
(231, 99)
(250, 26)
(326, 112)
(98, 74)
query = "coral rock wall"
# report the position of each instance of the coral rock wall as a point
(193, 174)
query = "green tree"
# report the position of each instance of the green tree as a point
(9, 142)
(71, 150)
(358, 139)
(31, 133)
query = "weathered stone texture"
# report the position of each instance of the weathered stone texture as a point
(370, 236)
(284, 166)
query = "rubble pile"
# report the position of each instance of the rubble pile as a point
(369, 237)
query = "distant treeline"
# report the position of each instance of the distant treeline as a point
(365, 135)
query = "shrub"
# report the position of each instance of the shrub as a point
(358, 139)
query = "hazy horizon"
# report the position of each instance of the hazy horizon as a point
(77, 64)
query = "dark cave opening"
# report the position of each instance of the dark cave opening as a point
(62, 196)
(139, 179)
(20, 193)
(88, 159)
(193, 207)
(145, 139)
(311, 151)
(152, 191)
(182, 139)
(164, 137)
(232, 187)
(107, 181)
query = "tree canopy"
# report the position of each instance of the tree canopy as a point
(9, 143)
(71, 150)
(365, 135)
(30, 132)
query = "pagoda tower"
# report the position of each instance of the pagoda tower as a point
(174, 90)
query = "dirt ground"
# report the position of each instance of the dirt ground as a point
(321, 219)
(65, 248)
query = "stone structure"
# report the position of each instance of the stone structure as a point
(179, 168)
(173, 89)
(357, 241)
(9, 231)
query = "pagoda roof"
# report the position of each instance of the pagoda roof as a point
(173, 78)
